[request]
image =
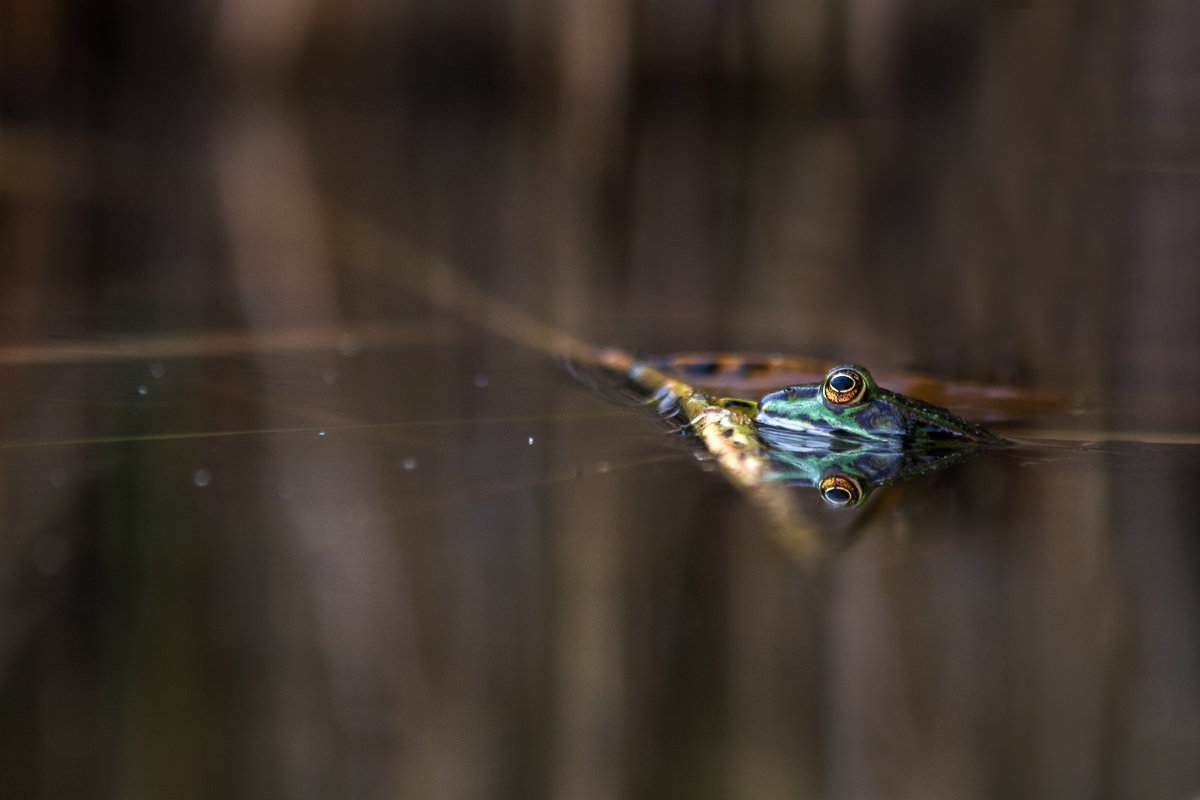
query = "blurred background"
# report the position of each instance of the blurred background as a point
(276, 520)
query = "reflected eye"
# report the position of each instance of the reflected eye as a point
(841, 491)
(844, 386)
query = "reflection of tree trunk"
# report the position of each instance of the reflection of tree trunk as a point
(1065, 659)
(1158, 377)
(775, 690)
(589, 693)
(31, 504)
(25, 248)
(337, 575)
(918, 684)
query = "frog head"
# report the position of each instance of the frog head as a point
(848, 406)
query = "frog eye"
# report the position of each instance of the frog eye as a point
(844, 386)
(841, 491)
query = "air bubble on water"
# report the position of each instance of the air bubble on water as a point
(409, 463)
(202, 477)
(58, 477)
(156, 369)
(480, 380)
(142, 390)
(603, 466)
(286, 489)
(531, 440)
(329, 375)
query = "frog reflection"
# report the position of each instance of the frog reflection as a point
(845, 472)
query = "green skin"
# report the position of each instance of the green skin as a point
(888, 420)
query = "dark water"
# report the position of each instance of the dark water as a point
(293, 511)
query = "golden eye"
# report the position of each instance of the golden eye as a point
(842, 491)
(844, 386)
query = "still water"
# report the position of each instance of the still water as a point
(300, 499)
(287, 561)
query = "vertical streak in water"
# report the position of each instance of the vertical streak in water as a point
(1068, 601)
(589, 691)
(1158, 373)
(595, 42)
(337, 576)
(775, 683)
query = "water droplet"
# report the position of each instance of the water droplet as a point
(142, 390)
(409, 463)
(322, 433)
(480, 380)
(329, 375)
(156, 369)
(531, 440)
(603, 466)
(286, 489)
(58, 477)
(202, 477)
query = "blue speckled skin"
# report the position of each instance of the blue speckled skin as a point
(890, 420)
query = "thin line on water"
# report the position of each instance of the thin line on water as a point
(1141, 437)
(218, 344)
(171, 437)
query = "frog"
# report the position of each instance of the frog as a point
(843, 435)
